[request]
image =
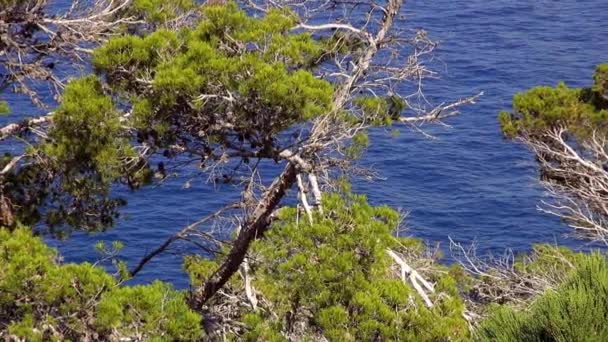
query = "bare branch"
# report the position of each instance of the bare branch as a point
(499, 280)
(442, 111)
(316, 191)
(414, 277)
(303, 199)
(15, 128)
(574, 172)
(181, 235)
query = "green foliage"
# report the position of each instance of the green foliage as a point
(358, 145)
(542, 108)
(4, 108)
(26, 329)
(333, 278)
(72, 171)
(229, 88)
(380, 111)
(375, 109)
(575, 311)
(87, 135)
(156, 309)
(600, 78)
(76, 300)
(199, 269)
(161, 11)
(544, 258)
(87, 151)
(255, 62)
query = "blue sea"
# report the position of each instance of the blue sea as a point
(469, 183)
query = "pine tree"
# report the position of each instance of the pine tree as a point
(566, 129)
(236, 93)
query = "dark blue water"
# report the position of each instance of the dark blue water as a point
(468, 183)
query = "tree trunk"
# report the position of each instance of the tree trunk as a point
(255, 226)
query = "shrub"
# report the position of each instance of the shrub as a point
(334, 280)
(575, 311)
(41, 299)
(581, 110)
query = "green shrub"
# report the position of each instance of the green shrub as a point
(184, 64)
(575, 311)
(600, 81)
(333, 279)
(580, 110)
(41, 299)
(155, 309)
(161, 11)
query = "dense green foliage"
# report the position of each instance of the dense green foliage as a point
(575, 311)
(542, 108)
(87, 151)
(41, 299)
(251, 68)
(600, 81)
(87, 137)
(334, 279)
(227, 87)
(161, 11)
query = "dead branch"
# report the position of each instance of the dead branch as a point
(499, 280)
(303, 199)
(442, 111)
(10, 165)
(415, 279)
(15, 128)
(181, 235)
(249, 291)
(34, 39)
(574, 172)
(316, 191)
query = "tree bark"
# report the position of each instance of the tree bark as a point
(255, 226)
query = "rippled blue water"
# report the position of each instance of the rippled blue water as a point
(469, 183)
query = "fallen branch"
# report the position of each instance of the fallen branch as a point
(249, 292)
(498, 280)
(414, 277)
(10, 165)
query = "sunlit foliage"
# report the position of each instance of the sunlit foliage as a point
(581, 110)
(334, 279)
(41, 299)
(574, 311)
